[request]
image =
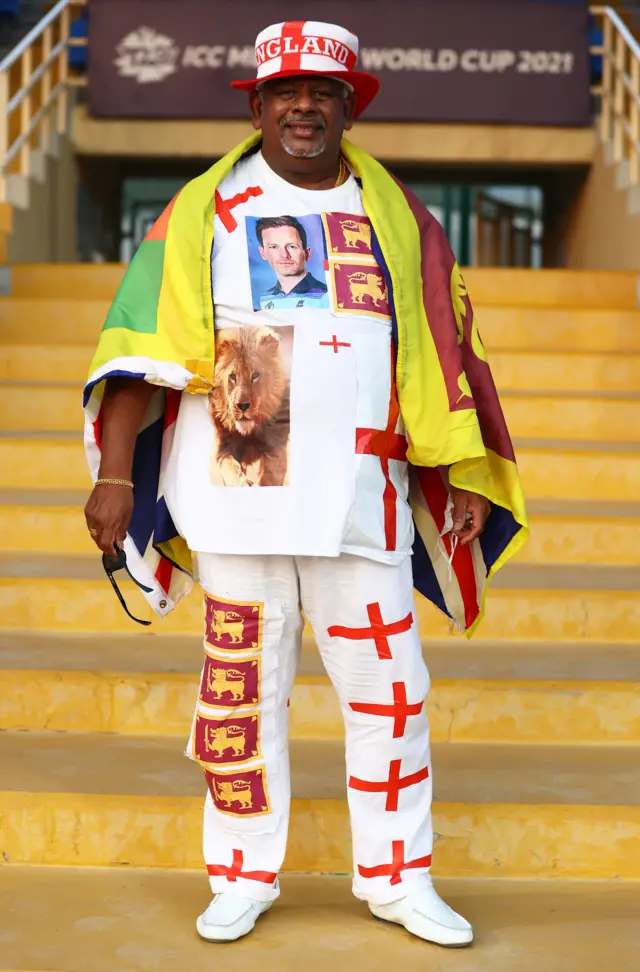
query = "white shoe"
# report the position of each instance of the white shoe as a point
(426, 915)
(229, 917)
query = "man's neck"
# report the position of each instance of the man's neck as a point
(287, 284)
(317, 173)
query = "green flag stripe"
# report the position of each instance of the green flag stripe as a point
(136, 305)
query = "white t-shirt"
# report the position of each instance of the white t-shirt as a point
(300, 449)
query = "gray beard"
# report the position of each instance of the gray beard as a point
(302, 153)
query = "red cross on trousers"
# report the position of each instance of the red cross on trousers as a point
(386, 444)
(399, 711)
(235, 871)
(392, 785)
(378, 631)
(335, 344)
(396, 867)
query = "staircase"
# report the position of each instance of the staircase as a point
(536, 723)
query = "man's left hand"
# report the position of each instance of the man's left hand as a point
(470, 513)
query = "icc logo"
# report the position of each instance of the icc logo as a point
(147, 56)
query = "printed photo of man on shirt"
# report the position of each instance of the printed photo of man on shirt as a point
(283, 243)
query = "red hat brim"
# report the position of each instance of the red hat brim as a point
(365, 86)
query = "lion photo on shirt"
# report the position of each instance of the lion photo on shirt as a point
(249, 406)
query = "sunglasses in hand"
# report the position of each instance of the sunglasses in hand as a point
(112, 564)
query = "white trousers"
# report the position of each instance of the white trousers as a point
(364, 620)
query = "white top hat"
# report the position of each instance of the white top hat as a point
(311, 47)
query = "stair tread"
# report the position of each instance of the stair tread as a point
(585, 396)
(610, 509)
(570, 445)
(572, 508)
(586, 446)
(475, 773)
(126, 917)
(454, 658)
(514, 576)
(48, 497)
(75, 435)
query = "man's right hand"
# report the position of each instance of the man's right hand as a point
(110, 508)
(108, 514)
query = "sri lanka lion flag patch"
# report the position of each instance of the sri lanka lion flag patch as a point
(160, 328)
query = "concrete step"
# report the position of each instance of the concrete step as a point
(449, 658)
(514, 287)
(546, 371)
(144, 919)
(50, 363)
(608, 612)
(510, 287)
(460, 710)
(514, 576)
(52, 521)
(592, 372)
(32, 408)
(58, 408)
(74, 281)
(580, 328)
(554, 471)
(35, 321)
(516, 811)
(558, 417)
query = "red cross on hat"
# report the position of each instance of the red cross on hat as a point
(310, 47)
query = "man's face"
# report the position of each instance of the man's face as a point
(282, 249)
(304, 115)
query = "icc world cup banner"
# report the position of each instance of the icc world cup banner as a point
(522, 62)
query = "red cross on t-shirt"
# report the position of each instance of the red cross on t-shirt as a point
(386, 444)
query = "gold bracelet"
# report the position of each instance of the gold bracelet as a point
(113, 482)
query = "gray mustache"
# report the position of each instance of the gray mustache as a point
(296, 119)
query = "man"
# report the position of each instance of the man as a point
(283, 244)
(391, 382)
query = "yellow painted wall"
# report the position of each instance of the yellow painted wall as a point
(393, 142)
(601, 233)
(45, 232)
(6, 224)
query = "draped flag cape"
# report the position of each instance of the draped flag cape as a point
(161, 328)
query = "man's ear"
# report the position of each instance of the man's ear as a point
(255, 104)
(261, 252)
(349, 112)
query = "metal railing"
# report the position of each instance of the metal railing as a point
(619, 91)
(34, 86)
